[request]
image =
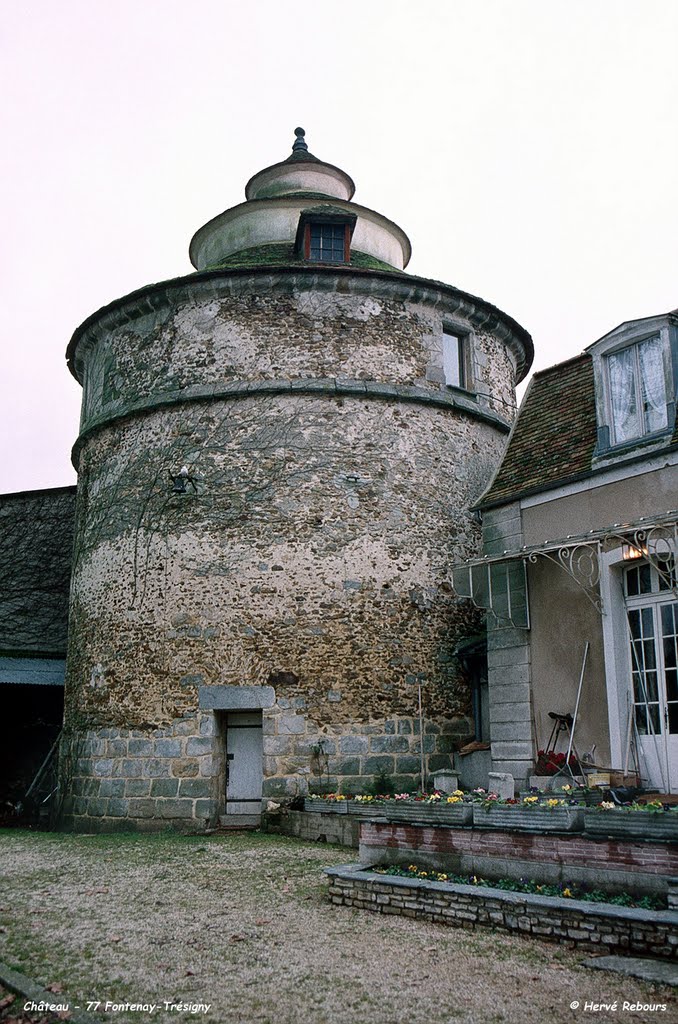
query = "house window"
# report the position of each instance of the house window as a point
(636, 383)
(454, 359)
(327, 243)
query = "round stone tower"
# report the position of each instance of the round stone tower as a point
(277, 460)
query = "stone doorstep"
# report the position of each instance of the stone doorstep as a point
(23, 986)
(662, 972)
(239, 820)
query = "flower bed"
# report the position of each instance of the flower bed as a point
(563, 812)
(594, 927)
(438, 807)
(368, 807)
(568, 891)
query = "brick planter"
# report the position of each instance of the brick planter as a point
(626, 824)
(429, 814)
(326, 806)
(594, 927)
(529, 819)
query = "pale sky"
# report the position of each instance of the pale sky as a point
(529, 148)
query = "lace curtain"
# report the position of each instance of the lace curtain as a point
(637, 390)
(623, 398)
(653, 389)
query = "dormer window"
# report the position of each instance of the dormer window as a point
(324, 235)
(637, 390)
(635, 386)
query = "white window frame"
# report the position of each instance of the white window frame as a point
(628, 336)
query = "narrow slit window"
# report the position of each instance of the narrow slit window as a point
(454, 362)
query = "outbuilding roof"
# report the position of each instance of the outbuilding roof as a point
(554, 437)
(555, 433)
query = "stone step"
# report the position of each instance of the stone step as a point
(240, 820)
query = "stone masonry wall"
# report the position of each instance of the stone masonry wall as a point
(117, 778)
(174, 776)
(334, 476)
(216, 333)
(36, 548)
(315, 559)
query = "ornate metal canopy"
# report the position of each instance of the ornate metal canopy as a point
(652, 538)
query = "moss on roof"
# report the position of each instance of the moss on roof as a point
(276, 254)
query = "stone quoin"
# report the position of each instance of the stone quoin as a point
(277, 460)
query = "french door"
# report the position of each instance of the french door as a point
(653, 633)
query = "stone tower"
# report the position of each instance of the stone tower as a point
(277, 459)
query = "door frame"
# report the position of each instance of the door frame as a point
(618, 664)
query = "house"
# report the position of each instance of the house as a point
(578, 573)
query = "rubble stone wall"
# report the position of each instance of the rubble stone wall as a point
(334, 473)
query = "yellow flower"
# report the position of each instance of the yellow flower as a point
(553, 802)
(568, 893)
(458, 792)
(530, 799)
(454, 800)
(442, 877)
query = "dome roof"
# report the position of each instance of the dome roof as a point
(301, 172)
(280, 196)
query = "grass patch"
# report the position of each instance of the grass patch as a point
(242, 922)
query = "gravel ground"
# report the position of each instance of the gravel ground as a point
(242, 922)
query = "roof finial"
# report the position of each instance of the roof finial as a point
(300, 142)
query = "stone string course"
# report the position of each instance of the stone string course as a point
(595, 928)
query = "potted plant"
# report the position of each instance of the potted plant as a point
(633, 821)
(329, 803)
(531, 814)
(549, 764)
(365, 805)
(431, 809)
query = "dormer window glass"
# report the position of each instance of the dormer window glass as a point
(327, 243)
(637, 390)
(324, 234)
